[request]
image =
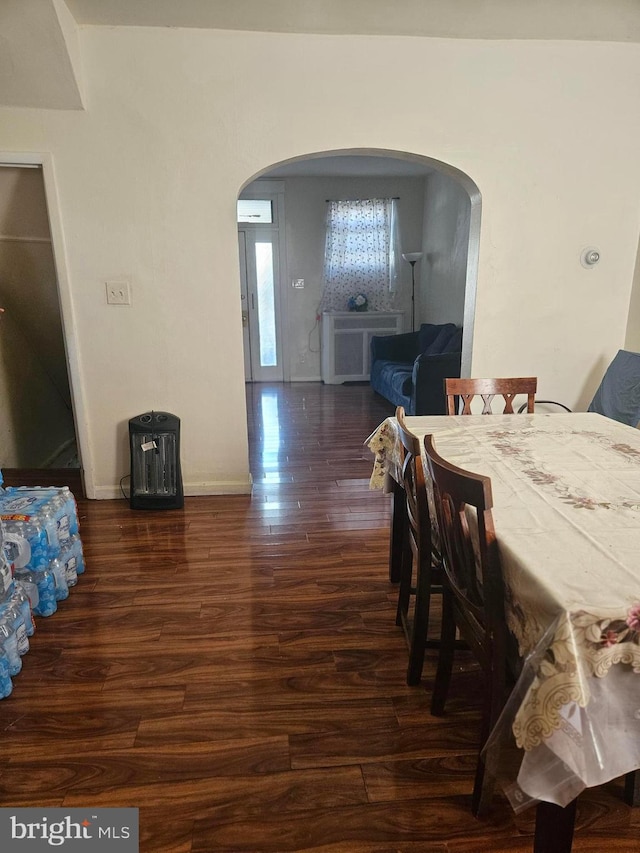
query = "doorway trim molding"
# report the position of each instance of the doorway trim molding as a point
(67, 315)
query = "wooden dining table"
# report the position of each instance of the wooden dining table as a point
(566, 491)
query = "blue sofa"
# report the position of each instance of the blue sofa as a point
(409, 370)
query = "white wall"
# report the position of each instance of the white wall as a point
(443, 268)
(305, 214)
(178, 120)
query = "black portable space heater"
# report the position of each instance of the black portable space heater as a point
(156, 478)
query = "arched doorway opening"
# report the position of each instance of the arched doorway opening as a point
(439, 216)
(439, 209)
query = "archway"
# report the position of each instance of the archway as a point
(449, 216)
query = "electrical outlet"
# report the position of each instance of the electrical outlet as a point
(118, 293)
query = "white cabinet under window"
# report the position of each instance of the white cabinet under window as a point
(346, 340)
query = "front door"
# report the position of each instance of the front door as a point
(259, 278)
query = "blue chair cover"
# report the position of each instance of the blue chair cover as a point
(618, 396)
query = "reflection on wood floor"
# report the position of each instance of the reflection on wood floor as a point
(234, 669)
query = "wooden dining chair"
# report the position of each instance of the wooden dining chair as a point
(473, 595)
(466, 389)
(421, 569)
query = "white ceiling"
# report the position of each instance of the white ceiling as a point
(592, 20)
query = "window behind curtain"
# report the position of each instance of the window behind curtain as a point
(361, 253)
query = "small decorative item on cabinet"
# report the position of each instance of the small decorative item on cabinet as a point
(359, 302)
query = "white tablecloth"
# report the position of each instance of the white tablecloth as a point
(566, 492)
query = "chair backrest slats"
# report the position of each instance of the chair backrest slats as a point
(487, 389)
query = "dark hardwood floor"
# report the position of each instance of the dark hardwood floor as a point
(234, 670)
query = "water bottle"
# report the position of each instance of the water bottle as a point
(59, 572)
(78, 554)
(21, 598)
(6, 575)
(67, 562)
(41, 589)
(71, 569)
(47, 518)
(6, 685)
(71, 508)
(13, 613)
(46, 591)
(9, 642)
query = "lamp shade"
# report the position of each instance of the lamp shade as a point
(412, 257)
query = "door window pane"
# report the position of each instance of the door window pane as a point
(266, 304)
(255, 210)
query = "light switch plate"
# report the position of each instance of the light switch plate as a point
(118, 292)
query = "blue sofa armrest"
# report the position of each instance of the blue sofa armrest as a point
(429, 373)
(402, 348)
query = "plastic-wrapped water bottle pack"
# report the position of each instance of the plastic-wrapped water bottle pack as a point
(40, 559)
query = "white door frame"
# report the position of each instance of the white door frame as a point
(67, 316)
(244, 296)
(274, 190)
(249, 238)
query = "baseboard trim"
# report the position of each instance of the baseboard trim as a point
(217, 487)
(71, 477)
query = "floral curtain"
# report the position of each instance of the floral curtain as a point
(362, 254)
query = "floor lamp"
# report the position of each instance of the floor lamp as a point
(413, 258)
